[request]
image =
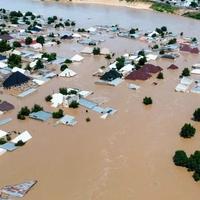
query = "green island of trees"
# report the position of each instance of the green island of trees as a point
(192, 162)
(163, 7)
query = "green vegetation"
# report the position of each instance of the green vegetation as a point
(185, 72)
(196, 115)
(19, 143)
(194, 15)
(63, 91)
(28, 41)
(63, 67)
(180, 158)
(68, 61)
(88, 119)
(187, 131)
(23, 112)
(96, 51)
(14, 60)
(36, 108)
(111, 75)
(192, 163)
(48, 98)
(39, 65)
(163, 7)
(160, 76)
(4, 46)
(40, 39)
(108, 57)
(49, 56)
(147, 101)
(58, 114)
(74, 104)
(172, 41)
(2, 141)
(16, 44)
(120, 62)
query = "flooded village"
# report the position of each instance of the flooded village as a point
(98, 106)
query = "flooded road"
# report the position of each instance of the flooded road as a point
(129, 155)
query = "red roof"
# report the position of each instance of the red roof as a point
(195, 50)
(185, 47)
(149, 68)
(172, 66)
(144, 73)
(138, 75)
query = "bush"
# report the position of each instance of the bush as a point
(40, 39)
(36, 108)
(28, 41)
(187, 131)
(196, 176)
(39, 65)
(185, 72)
(172, 41)
(180, 158)
(63, 67)
(24, 111)
(19, 143)
(147, 101)
(108, 57)
(68, 61)
(48, 98)
(14, 60)
(88, 119)
(58, 114)
(20, 116)
(2, 141)
(63, 91)
(96, 51)
(4, 46)
(196, 115)
(16, 44)
(74, 104)
(160, 76)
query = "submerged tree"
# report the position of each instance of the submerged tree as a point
(187, 131)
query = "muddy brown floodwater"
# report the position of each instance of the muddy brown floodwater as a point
(125, 157)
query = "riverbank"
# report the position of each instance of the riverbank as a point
(136, 5)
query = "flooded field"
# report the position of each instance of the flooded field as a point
(125, 157)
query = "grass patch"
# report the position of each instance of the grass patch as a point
(194, 15)
(163, 7)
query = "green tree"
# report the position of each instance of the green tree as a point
(196, 115)
(96, 51)
(187, 131)
(58, 114)
(63, 67)
(28, 41)
(36, 108)
(180, 158)
(14, 60)
(147, 101)
(185, 72)
(41, 40)
(160, 76)
(16, 44)
(74, 104)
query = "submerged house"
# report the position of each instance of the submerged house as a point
(5, 106)
(15, 79)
